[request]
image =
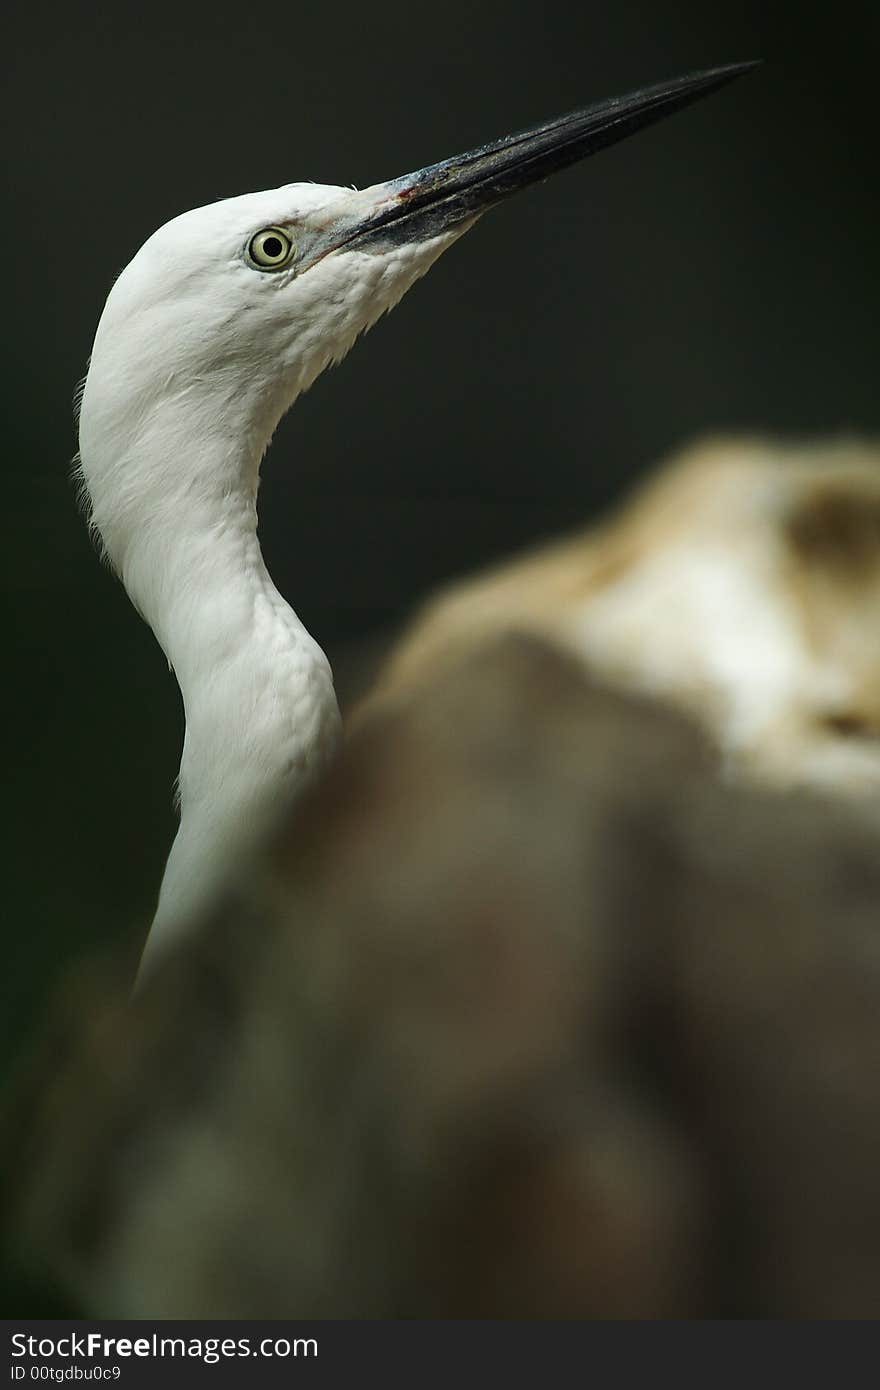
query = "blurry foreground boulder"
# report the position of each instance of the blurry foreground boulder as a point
(741, 583)
(525, 1015)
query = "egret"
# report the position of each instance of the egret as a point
(224, 316)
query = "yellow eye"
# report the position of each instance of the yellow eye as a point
(271, 249)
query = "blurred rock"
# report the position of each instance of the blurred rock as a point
(741, 584)
(525, 1015)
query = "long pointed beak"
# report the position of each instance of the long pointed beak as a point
(430, 201)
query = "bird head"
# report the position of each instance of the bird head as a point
(229, 311)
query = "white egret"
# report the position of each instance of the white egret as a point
(222, 318)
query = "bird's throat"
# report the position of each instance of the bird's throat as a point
(261, 715)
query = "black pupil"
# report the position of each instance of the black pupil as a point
(273, 246)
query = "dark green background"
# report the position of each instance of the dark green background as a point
(718, 272)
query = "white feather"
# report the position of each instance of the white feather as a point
(196, 358)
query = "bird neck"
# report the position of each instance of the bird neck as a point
(260, 710)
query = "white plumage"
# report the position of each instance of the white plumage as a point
(196, 358)
(223, 317)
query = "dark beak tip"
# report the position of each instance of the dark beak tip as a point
(695, 85)
(441, 195)
(728, 72)
(736, 68)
